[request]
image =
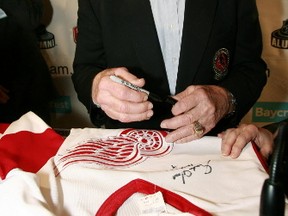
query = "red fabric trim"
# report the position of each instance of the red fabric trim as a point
(115, 200)
(3, 127)
(262, 160)
(27, 151)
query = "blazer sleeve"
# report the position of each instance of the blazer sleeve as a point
(89, 57)
(248, 73)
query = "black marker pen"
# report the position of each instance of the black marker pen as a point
(152, 96)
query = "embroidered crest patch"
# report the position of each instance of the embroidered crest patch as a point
(221, 63)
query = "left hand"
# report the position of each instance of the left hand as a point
(235, 139)
(205, 104)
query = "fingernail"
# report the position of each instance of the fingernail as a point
(168, 139)
(163, 125)
(149, 114)
(150, 106)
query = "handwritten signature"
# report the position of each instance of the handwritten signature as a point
(187, 171)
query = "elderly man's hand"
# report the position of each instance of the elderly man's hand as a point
(118, 101)
(198, 110)
(235, 139)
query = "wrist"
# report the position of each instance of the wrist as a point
(232, 104)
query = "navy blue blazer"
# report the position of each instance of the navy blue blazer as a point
(221, 45)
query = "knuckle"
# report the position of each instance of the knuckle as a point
(237, 148)
(118, 70)
(123, 108)
(188, 118)
(226, 145)
(183, 104)
(212, 125)
(211, 108)
(121, 93)
(180, 134)
(201, 91)
(124, 118)
(252, 127)
(190, 88)
(242, 139)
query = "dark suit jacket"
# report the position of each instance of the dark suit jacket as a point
(122, 33)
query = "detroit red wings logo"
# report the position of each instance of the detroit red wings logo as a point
(128, 148)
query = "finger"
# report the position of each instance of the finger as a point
(240, 143)
(185, 103)
(182, 135)
(178, 121)
(122, 105)
(188, 110)
(127, 117)
(119, 91)
(266, 150)
(248, 133)
(221, 135)
(191, 98)
(187, 119)
(228, 139)
(265, 142)
(102, 81)
(126, 75)
(186, 92)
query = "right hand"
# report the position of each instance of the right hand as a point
(118, 101)
(4, 97)
(205, 104)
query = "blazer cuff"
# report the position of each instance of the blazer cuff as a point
(97, 115)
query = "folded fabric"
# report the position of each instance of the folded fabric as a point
(92, 165)
(27, 144)
(104, 172)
